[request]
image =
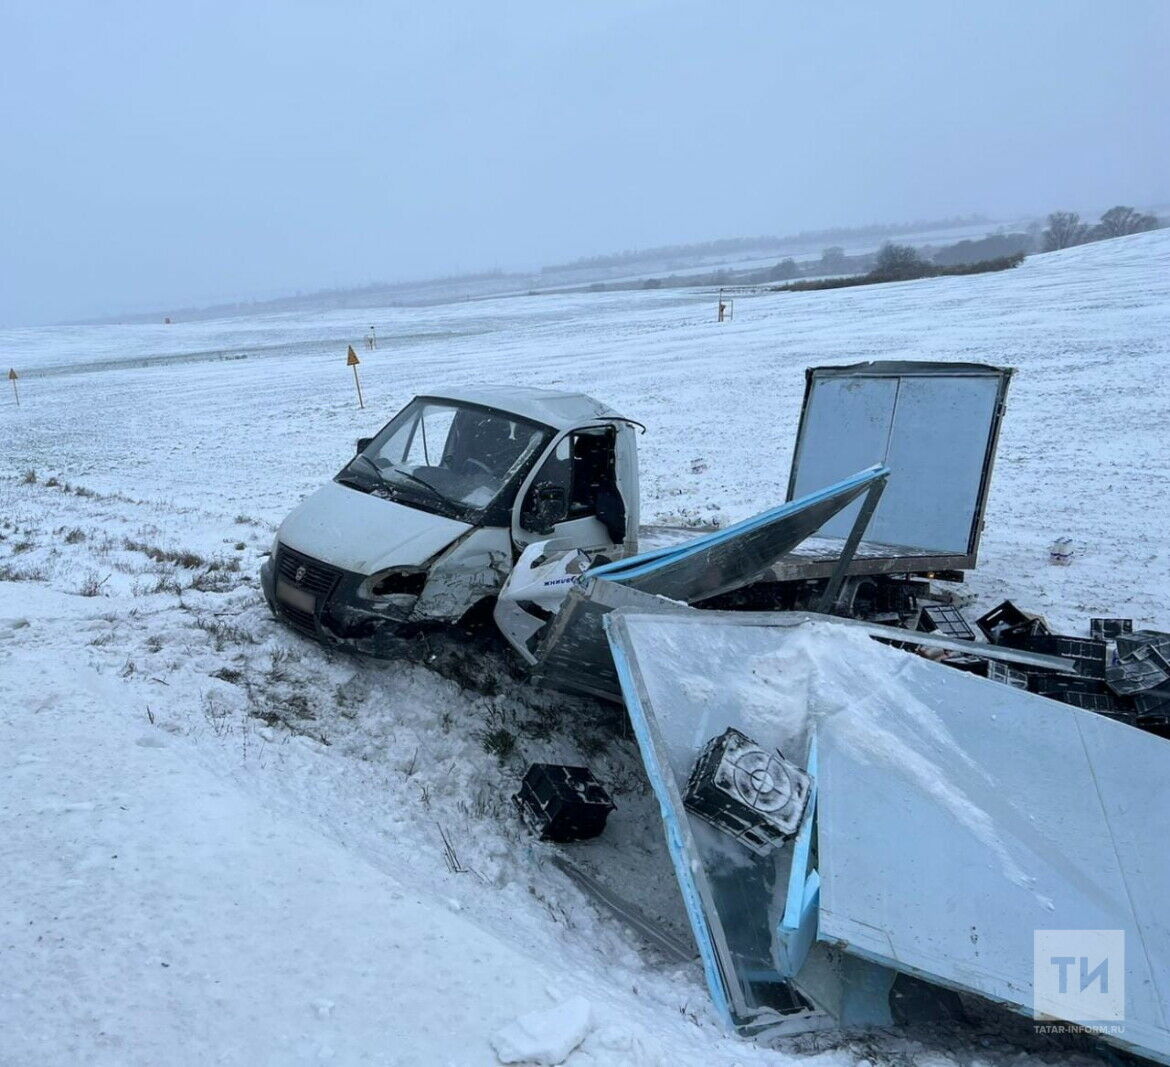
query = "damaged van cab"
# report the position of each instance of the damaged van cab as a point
(423, 525)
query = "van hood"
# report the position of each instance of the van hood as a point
(365, 534)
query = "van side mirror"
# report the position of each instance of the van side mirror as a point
(363, 443)
(547, 505)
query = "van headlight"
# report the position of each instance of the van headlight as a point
(393, 584)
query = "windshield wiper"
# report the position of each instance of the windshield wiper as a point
(405, 474)
(360, 484)
(376, 469)
(425, 484)
(354, 482)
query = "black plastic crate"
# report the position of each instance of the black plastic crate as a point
(1086, 653)
(945, 620)
(753, 794)
(1136, 675)
(1005, 673)
(1145, 644)
(1109, 629)
(1142, 664)
(1086, 693)
(561, 803)
(1007, 625)
(1154, 703)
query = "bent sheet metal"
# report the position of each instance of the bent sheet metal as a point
(572, 653)
(1046, 811)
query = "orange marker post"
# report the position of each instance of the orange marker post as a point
(352, 360)
(12, 376)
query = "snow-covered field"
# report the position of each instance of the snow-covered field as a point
(222, 844)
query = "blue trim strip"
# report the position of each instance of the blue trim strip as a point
(798, 873)
(674, 841)
(797, 929)
(645, 563)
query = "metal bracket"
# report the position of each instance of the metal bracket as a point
(833, 590)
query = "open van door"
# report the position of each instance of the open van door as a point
(575, 494)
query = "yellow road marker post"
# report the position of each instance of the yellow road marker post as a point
(351, 360)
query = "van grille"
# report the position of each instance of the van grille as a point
(307, 573)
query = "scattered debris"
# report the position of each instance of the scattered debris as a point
(943, 619)
(753, 795)
(1007, 674)
(887, 493)
(1060, 552)
(561, 803)
(1085, 693)
(1142, 673)
(1087, 654)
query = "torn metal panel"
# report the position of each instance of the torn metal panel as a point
(1046, 811)
(935, 424)
(728, 559)
(817, 556)
(575, 657)
(572, 653)
(680, 691)
(1022, 800)
(730, 893)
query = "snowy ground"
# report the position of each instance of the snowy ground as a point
(221, 843)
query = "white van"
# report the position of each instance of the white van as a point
(424, 524)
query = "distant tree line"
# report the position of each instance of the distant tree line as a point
(895, 262)
(899, 263)
(731, 245)
(1065, 228)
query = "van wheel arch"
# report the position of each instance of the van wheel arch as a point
(478, 618)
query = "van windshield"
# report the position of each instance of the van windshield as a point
(453, 458)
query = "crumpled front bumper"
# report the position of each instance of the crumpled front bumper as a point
(320, 601)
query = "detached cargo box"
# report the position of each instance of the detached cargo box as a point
(936, 426)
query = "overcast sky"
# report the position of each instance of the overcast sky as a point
(158, 154)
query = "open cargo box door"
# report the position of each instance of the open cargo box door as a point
(935, 425)
(1047, 812)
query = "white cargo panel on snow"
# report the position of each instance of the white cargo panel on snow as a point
(1052, 822)
(934, 425)
(1051, 818)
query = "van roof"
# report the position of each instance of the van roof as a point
(562, 411)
